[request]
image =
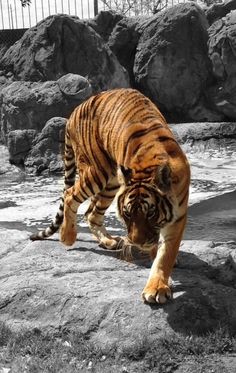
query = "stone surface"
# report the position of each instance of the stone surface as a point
(171, 63)
(29, 105)
(222, 52)
(217, 11)
(62, 44)
(19, 144)
(46, 287)
(195, 132)
(123, 42)
(7, 169)
(75, 86)
(104, 23)
(46, 152)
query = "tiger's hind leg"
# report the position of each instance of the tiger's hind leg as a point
(95, 215)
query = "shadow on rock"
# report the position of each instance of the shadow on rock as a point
(204, 296)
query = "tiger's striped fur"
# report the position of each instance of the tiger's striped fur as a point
(119, 141)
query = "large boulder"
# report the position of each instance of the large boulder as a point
(29, 105)
(88, 289)
(123, 42)
(217, 11)
(222, 52)
(19, 144)
(171, 64)
(46, 152)
(104, 23)
(62, 44)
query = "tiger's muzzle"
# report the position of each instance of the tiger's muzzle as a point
(145, 241)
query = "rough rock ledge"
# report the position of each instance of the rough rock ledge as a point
(90, 290)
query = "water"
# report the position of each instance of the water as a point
(28, 203)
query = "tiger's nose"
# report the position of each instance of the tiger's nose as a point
(137, 237)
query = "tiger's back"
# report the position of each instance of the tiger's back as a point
(119, 141)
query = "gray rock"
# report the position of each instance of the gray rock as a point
(89, 290)
(217, 11)
(8, 170)
(205, 137)
(222, 52)
(29, 105)
(75, 86)
(47, 148)
(62, 44)
(104, 23)
(194, 132)
(171, 63)
(19, 143)
(123, 42)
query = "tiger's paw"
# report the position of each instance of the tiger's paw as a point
(156, 292)
(111, 243)
(68, 234)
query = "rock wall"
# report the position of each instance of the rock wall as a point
(175, 57)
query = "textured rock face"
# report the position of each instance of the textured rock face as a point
(217, 11)
(19, 144)
(171, 64)
(44, 286)
(29, 105)
(47, 149)
(59, 45)
(222, 52)
(123, 42)
(104, 23)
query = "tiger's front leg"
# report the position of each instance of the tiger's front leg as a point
(157, 288)
(95, 215)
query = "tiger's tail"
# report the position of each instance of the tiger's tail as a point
(69, 180)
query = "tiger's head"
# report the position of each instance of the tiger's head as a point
(144, 204)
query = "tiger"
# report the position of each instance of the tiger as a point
(120, 144)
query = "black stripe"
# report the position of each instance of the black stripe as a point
(106, 109)
(69, 156)
(184, 198)
(69, 167)
(58, 220)
(77, 199)
(136, 149)
(108, 159)
(69, 182)
(139, 102)
(126, 103)
(111, 188)
(166, 138)
(143, 132)
(68, 147)
(89, 184)
(98, 181)
(105, 98)
(170, 207)
(82, 191)
(163, 207)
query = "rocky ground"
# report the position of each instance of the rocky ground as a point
(96, 293)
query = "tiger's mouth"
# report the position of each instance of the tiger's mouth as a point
(145, 247)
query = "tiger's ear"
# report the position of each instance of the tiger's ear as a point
(163, 178)
(124, 175)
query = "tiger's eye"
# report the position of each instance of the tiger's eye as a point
(151, 211)
(126, 212)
